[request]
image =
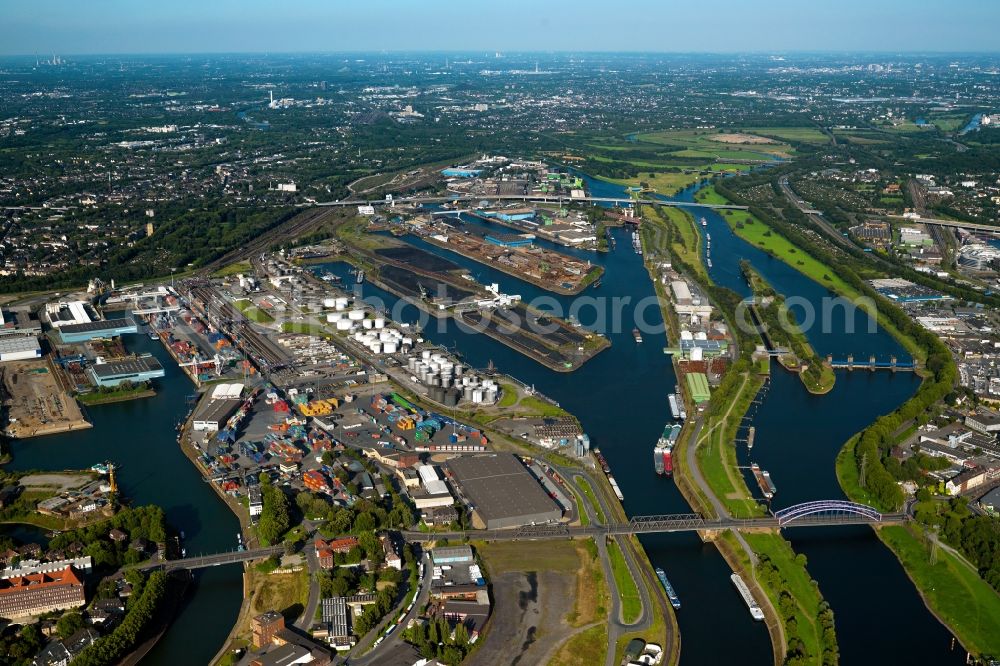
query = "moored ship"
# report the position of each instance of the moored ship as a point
(755, 611)
(675, 601)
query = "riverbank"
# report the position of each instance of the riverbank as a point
(178, 583)
(936, 572)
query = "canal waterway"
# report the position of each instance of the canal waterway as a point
(798, 436)
(620, 399)
(140, 437)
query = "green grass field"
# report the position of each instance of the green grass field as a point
(627, 590)
(252, 312)
(794, 134)
(588, 492)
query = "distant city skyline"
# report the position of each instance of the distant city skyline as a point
(227, 26)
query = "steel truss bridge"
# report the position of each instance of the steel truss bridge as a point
(823, 513)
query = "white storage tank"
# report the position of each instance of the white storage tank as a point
(477, 395)
(426, 355)
(408, 341)
(379, 322)
(329, 302)
(332, 317)
(341, 303)
(344, 325)
(368, 323)
(356, 315)
(389, 347)
(385, 336)
(376, 347)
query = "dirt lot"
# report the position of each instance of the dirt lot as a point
(58, 482)
(528, 620)
(741, 138)
(543, 593)
(36, 404)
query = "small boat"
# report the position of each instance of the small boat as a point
(704, 222)
(597, 283)
(637, 335)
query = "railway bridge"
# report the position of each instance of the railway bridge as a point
(822, 513)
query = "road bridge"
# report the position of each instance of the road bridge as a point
(214, 560)
(534, 198)
(956, 224)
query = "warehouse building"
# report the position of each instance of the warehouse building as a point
(136, 370)
(19, 348)
(502, 492)
(93, 330)
(697, 383)
(212, 414)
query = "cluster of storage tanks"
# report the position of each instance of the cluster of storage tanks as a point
(442, 375)
(370, 332)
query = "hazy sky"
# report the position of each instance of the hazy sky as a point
(168, 26)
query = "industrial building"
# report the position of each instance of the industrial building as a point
(19, 322)
(334, 616)
(510, 240)
(212, 414)
(456, 172)
(92, 330)
(697, 384)
(19, 348)
(137, 370)
(978, 256)
(502, 492)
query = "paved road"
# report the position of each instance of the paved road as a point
(305, 621)
(394, 641)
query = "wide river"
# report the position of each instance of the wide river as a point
(620, 399)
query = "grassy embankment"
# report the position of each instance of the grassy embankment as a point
(115, 395)
(628, 593)
(784, 332)
(951, 588)
(656, 632)
(716, 453)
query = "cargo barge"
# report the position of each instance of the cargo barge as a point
(607, 472)
(663, 451)
(676, 407)
(764, 481)
(675, 601)
(741, 587)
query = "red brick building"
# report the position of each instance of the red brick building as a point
(35, 594)
(325, 550)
